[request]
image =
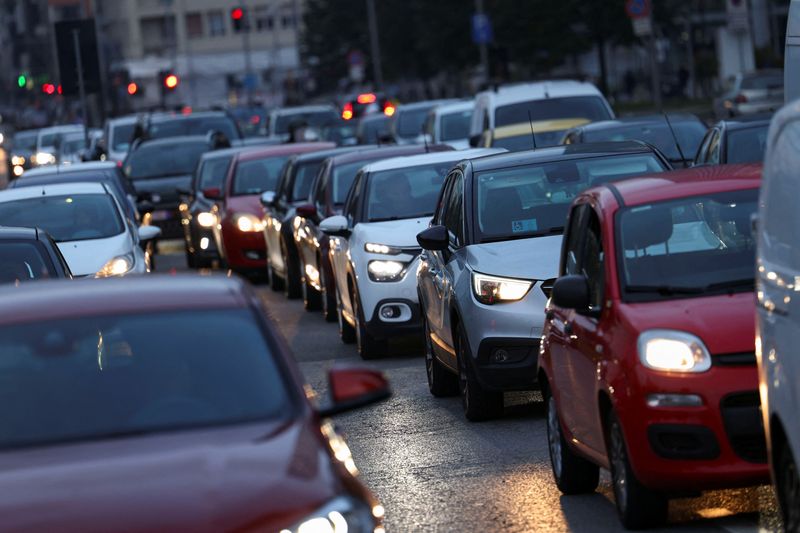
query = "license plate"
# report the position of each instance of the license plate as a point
(161, 215)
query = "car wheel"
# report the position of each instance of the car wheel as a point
(638, 506)
(787, 482)
(479, 404)
(441, 382)
(368, 347)
(191, 261)
(312, 300)
(291, 279)
(275, 282)
(346, 332)
(573, 474)
(328, 299)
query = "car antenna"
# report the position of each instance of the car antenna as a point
(425, 140)
(533, 133)
(675, 137)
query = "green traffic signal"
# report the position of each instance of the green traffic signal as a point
(22, 81)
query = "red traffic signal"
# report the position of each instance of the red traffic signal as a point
(238, 19)
(171, 81)
(237, 13)
(133, 88)
(48, 88)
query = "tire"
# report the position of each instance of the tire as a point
(346, 332)
(638, 506)
(291, 277)
(573, 473)
(312, 299)
(275, 282)
(191, 260)
(441, 381)
(478, 403)
(328, 299)
(787, 483)
(368, 346)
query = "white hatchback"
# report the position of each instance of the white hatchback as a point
(87, 223)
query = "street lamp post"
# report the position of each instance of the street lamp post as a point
(377, 70)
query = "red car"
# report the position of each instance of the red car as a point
(167, 404)
(240, 217)
(647, 361)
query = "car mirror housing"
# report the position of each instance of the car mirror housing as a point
(338, 226)
(572, 292)
(268, 199)
(148, 233)
(213, 193)
(306, 210)
(353, 388)
(434, 239)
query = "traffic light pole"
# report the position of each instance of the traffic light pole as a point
(81, 87)
(248, 59)
(377, 69)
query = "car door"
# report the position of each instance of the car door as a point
(340, 245)
(454, 268)
(274, 216)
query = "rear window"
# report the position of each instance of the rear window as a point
(455, 126)
(255, 177)
(161, 160)
(410, 121)
(315, 119)
(24, 261)
(748, 145)
(764, 82)
(193, 126)
(212, 173)
(591, 108)
(25, 141)
(121, 137)
(164, 372)
(689, 134)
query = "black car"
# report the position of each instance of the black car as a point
(374, 129)
(677, 136)
(159, 168)
(197, 215)
(23, 148)
(29, 254)
(161, 126)
(328, 193)
(734, 141)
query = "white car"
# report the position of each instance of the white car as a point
(374, 250)
(778, 324)
(87, 223)
(49, 141)
(118, 136)
(449, 124)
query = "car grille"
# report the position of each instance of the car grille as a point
(741, 415)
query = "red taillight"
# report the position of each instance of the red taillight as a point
(347, 112)
(740, 99)
(389, 109)
(366, 98)
(119, 164)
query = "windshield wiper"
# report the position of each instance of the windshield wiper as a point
(555, 230)
(732, 284)
(403, 217)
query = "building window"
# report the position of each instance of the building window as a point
(287, 16)
(264, 19)
(216, 23)
(158, 33)
(194, 25)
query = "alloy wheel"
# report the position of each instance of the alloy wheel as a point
(618, 465)
(554, 436)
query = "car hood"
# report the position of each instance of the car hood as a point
(402, 233)
(245, 204)
(164, 190)
(535, 258)
(257, 477)
(85, 258)
(724, 323)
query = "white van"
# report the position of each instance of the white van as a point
(537, 102)
(778, 289)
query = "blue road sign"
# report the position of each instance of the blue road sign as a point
(482, 29)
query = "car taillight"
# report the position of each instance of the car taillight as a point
(366, 98)
(347, 112)
(389, 109)
(119, 164)
(740, 99)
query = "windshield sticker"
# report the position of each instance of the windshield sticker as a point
(524, 226)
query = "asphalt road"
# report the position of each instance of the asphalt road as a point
(436, 472)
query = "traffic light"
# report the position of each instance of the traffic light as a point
(238, 19)
(169, 80)
(133, 89)
(22, 81)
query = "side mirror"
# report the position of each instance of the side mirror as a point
(434, 239)
(571, 292)
(148, 233)
(353, 388)
(268, 199)
(338, 226)
(145, 206)
(213, 193)
(306, 211)
(475, 140)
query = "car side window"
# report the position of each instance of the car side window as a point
(592, 262)
(713, 149)
(319, 190)
(441, 205)
(702, 151)
(573, 240)
(351, 203)
(454, 212)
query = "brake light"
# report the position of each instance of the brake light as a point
(347, 112)
(366, 98)
(389, 109)
(740, 99)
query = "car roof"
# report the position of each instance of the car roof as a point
(540, 126)
(298, 110)
(428, 159)
(261, 152)
(454, 107)
(34, 131)
(55, 189)
(8, 233)
(89, 176)
(655, 120)
(541, 90)
(559, 153)
(224, 152)
(121, 121)
(61, 127)
(321, 155)
(69, 169)
(374, 152)
(169, 117)
(54, 300)
(687, 182)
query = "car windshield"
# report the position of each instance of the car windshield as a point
(405, 192)
(591, 108)
(23, 261)
(48, 140)
(343, 178)
(164, 159)
(315, 119)
(410, 121)
(121, 137)
(533, 200)
(212, 172)
(688, 246)
(370, 131)
(690, 135)
(255, 177)
(193, 126)
(138, 374)
(747, 145)
(305, 173)
(78, 217)
(25, 141)
(455, 126)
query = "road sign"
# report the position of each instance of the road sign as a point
(643, 27)
(638, 9)
(738, 15)
(68, 60)
(482, 29)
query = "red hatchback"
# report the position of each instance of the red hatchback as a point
(239, 232)
(167, 404)
(647, 360)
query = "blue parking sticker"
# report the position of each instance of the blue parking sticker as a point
(524, 226)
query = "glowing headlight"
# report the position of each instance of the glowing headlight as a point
(386, 270)
(119, 266)
(248, 223)
(206, 220)
(18, 171)
(382, 249)
(44, 158)
(491, 290)
(673, 351)
(341, 515)
(18, 160)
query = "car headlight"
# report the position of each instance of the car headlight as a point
(344, 514)
(18, 160)
(206, 220)
(119, 266)
(386, 270)
(673, 351)
(18, 171)
(44, 158)
(382, 249)
(248, 223)
(490, 290)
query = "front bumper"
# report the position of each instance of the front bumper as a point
(244, 252)
(168, 218)
(402, 295)
(199, 240)
(408, 323)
